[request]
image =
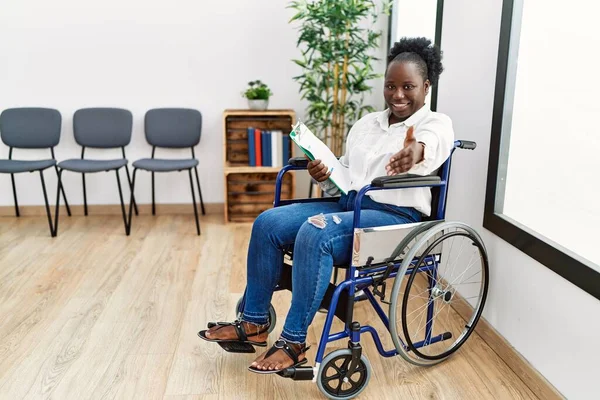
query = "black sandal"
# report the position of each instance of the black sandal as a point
(240, 345)
(281, 344)
(213, 324)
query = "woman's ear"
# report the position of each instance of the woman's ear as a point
(427, 85)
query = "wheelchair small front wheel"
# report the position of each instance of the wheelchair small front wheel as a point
(239, 311)
(336, 381)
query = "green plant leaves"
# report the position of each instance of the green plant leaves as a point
(336, 43)
(257, 90)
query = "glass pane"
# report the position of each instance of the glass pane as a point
(552, 182)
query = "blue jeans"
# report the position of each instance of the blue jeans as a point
(315, 252)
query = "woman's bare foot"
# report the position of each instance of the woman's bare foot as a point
(229, 333)
(279, 359)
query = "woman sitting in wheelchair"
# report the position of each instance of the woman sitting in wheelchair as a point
(405, 138)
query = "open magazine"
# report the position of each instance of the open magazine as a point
(315, 149)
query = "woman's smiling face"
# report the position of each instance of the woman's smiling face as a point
(404, 90)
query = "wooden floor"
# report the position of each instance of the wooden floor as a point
(94, 314)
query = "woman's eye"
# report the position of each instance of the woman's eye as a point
(408, 87)
(389, 87)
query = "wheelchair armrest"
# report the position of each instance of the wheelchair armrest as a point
(301, 162)
(401, 181)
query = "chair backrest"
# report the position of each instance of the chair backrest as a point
(102, 127)
(30, 128)
(173, 127)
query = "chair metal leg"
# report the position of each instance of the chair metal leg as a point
(122, 204)
(85, 211)
(194, 201)
(56, 210)
(131, 202)
(52, 232)
(153, 205)
(62, 189)
(12, 179)
(199, 191)
(129, 180)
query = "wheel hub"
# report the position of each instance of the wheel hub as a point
(448, 296)
(445, 295)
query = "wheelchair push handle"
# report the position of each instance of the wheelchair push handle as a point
(465, 144)
(301, 162)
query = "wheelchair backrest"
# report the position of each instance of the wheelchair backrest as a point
(439, 194)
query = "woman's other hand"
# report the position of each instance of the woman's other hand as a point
(406, 158)
(318, 170)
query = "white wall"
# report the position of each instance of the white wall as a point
(140, 54)
(551, 322)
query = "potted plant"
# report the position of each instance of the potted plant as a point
(337, 41)
(258, 94)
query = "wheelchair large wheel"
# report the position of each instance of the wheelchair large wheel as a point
(444, 272)
(335, 382)
(272, 315)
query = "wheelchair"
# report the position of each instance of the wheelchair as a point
(431, 286)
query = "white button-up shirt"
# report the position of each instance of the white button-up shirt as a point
(371, 143)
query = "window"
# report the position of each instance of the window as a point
(421, 18)
(544, 172)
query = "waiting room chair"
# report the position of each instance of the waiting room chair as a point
(175, 128)
(31, 128)
(103, 128)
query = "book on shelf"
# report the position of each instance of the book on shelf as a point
(285, 147)
(251, 150)
(258, 147)
(315, 149)
(275, 148)
(267, 148)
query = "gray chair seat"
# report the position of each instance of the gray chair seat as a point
(85, 165)
(164, 165)
(16, 166)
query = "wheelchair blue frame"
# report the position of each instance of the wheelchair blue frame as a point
(361, 279)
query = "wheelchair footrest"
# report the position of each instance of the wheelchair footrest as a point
(237, 347)
(298, 373)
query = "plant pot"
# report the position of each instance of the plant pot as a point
(258, 104)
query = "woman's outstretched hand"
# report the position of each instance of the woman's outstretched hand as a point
(318, 170)
(406, 158)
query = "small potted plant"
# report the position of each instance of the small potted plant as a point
(258, 95)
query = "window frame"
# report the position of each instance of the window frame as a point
(564, 264)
